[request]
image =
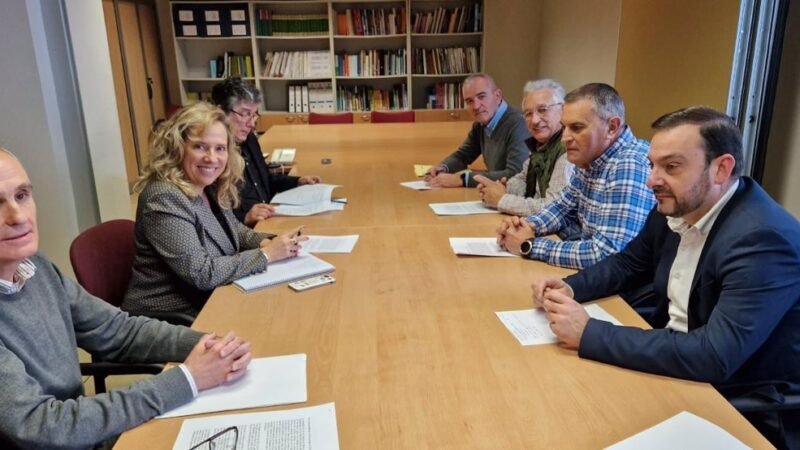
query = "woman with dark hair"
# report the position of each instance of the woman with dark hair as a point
(240, 101)
(187, 239)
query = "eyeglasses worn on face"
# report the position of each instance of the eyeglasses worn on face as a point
(541, 110)
(245, 117)
(227, 439)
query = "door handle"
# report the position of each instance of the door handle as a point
(149, 88)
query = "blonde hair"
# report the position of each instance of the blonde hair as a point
(168, 148)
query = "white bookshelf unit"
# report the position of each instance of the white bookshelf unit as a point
(377, 43)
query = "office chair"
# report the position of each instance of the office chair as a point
(323, 119)
(392, 117)
(101, 258)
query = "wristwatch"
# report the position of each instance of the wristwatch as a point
(525, 247)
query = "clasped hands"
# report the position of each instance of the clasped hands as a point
(512, 232)
(491, 191)
(566, 316)
(216, 360)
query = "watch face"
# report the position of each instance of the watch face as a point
(525, 247)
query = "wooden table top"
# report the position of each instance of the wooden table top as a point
(407, 343)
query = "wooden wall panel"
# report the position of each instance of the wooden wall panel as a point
(674, 54)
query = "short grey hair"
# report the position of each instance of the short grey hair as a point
(605, 99)
(546, 83)
(481, 76)
(229, 93)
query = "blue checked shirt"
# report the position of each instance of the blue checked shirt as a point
(608, 202)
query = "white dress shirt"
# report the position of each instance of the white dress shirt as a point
(681, 274)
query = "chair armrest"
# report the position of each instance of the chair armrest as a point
(174, 318)
(756, 404)
(111, 368)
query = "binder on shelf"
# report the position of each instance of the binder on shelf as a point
(298, 99)
(305, 99)
(291, 99)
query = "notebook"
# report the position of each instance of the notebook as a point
(285, 271)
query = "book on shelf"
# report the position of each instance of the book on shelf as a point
(371, 21)
(458, 19)
(368, 98)
(444, 61)
(196, 96)
(299, 64)
(445, 96)
(231, 65)
(367, 63)
(270, 24)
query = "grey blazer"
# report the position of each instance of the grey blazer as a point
(183, 253)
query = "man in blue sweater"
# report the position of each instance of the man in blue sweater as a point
(498, 134)
(44, 316)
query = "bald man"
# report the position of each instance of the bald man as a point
(44, 316)
(498, 134)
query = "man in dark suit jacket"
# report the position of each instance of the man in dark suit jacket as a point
(724, 260)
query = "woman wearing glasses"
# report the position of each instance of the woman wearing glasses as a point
(240, 101)
(187, 239)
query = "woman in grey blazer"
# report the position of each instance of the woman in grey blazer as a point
(187, 240)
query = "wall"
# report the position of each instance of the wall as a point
(674, 54)
(783, 149)
(44, 120)
(579, 41)
(511, 44)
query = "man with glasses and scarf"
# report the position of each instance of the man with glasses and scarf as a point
(547, 170)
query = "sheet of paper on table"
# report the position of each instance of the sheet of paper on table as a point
(277, 380)
(329, 244)
(309, 209)
(478, 246)
(313, 427)
(418, 185)
(530, 326)
(461, 208)
(684, 431)
(305, 194)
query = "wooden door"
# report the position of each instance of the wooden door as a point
(135, 51)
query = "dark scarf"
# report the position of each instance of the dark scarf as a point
(541, 163)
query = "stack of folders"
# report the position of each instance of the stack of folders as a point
(284, 271)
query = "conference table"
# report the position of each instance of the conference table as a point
(406, 342)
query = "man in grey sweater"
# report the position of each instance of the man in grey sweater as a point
(44, 316)
(499, 134)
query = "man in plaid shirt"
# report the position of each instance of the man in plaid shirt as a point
(606, 199)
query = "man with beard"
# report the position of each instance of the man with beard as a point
(724, 259)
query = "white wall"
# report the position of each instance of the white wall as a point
(43, 120)
(578, 41)
(87, 34)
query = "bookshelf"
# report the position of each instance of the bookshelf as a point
(363, 56)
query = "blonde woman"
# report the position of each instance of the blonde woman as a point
(188, 241)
